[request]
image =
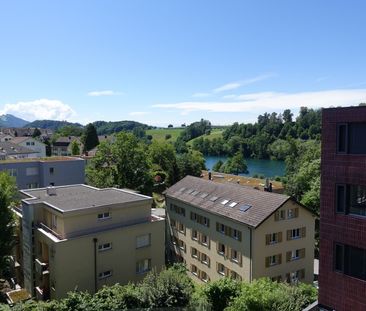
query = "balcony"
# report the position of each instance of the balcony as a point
(41, 267)
(42, 293)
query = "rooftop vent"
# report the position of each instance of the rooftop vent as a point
(51, 191)
(245, 207)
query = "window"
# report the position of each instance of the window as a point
(194, 234)
(350, 260)
(221, 269)
(105, 274)
(296, 233)
(194, 252)
(143, 241)
(105, 215)
(222, 228)
(181, 228)
(28, 143)
(200, 219)
(292, 213)
(233, 204)
(236, 234)
(143, 266)
(221, 249)
(31, 171)
(205, 259)
(342, 138)
(235, 276)
(182, 245)
(280, 215)
(351, 138)
(104, 247)
(32, 185)
(234, 255)
(54, 221)
(52, 170)
(295, 254)
(12, 172)
(351, 199)
(295, 276)
(340, 198)
(231, 232)
(178, 210)
(223, 202)
(273, 260)
(204, 239)
(204, 276)
(194, 270)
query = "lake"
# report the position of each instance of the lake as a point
(268, 168)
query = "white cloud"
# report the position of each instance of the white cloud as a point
(103, 93)
(236, 85)
(139, 113)
(40, 109)
(273, 101)
(201, 95)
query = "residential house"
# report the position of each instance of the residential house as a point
(9, 150)
(62, 145)
(224, 229)
(31, 143)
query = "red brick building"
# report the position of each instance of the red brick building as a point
(342, 272)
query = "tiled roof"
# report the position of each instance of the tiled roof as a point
(9, 148)
(252, 208)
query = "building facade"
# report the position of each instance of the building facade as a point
(31, 143)
(84, 237)
(39, 173)
(62, 146)
(8, 150)
(342, 270)
(222, 230)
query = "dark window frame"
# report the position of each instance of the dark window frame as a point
(345, 125)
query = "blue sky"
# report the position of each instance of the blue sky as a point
(162, 62)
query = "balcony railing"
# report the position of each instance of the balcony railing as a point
(41, 267)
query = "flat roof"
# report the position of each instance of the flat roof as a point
(45, 159)
(78, 197)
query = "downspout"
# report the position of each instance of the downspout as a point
(251, 259)
(95, 240)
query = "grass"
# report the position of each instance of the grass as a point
(215, 133)
(159, 134)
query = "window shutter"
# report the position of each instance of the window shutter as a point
(279, 258)
(217, 246)
(208, 242)
(227, 272)
(229, 231)
(296, 212)
(302, 253)
(217, 226)
(226, 230)
(191, 251)
(277, 216)
(279, 235)
(267, 261)
(288, 256)
(227, 251)
(268, 238)
(288, 235)
(239, 236)
(303, 232)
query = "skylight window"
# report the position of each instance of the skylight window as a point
(245, 207)
(232, 204)
(224, 202)
(204, 195)
(195, 192)
(189, 191)
(182, 189)
(213, 199)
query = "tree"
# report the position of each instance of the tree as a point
(7, 224)
(191, 163)
(170, 125)
(36, 133)
(217, 166)
(90, 137)
(75, 149)
(236, 164)
(123, 163)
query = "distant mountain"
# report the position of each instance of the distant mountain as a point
(106, 128)
(51, 124)
(8, 120)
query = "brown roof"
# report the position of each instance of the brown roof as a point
(252, 208)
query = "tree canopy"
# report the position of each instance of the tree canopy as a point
(90, 137)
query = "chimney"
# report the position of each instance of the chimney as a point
(51, 191)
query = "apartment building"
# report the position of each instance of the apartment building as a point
(342, 270)
(8, 150)
(62, 145)
(44, 172)
(77, 236)
(224, 229)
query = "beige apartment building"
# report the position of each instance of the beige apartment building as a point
(236, 231)
(82, 237)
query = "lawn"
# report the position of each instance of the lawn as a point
(159, 134)
(215, 133)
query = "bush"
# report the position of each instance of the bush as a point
(168, 136)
